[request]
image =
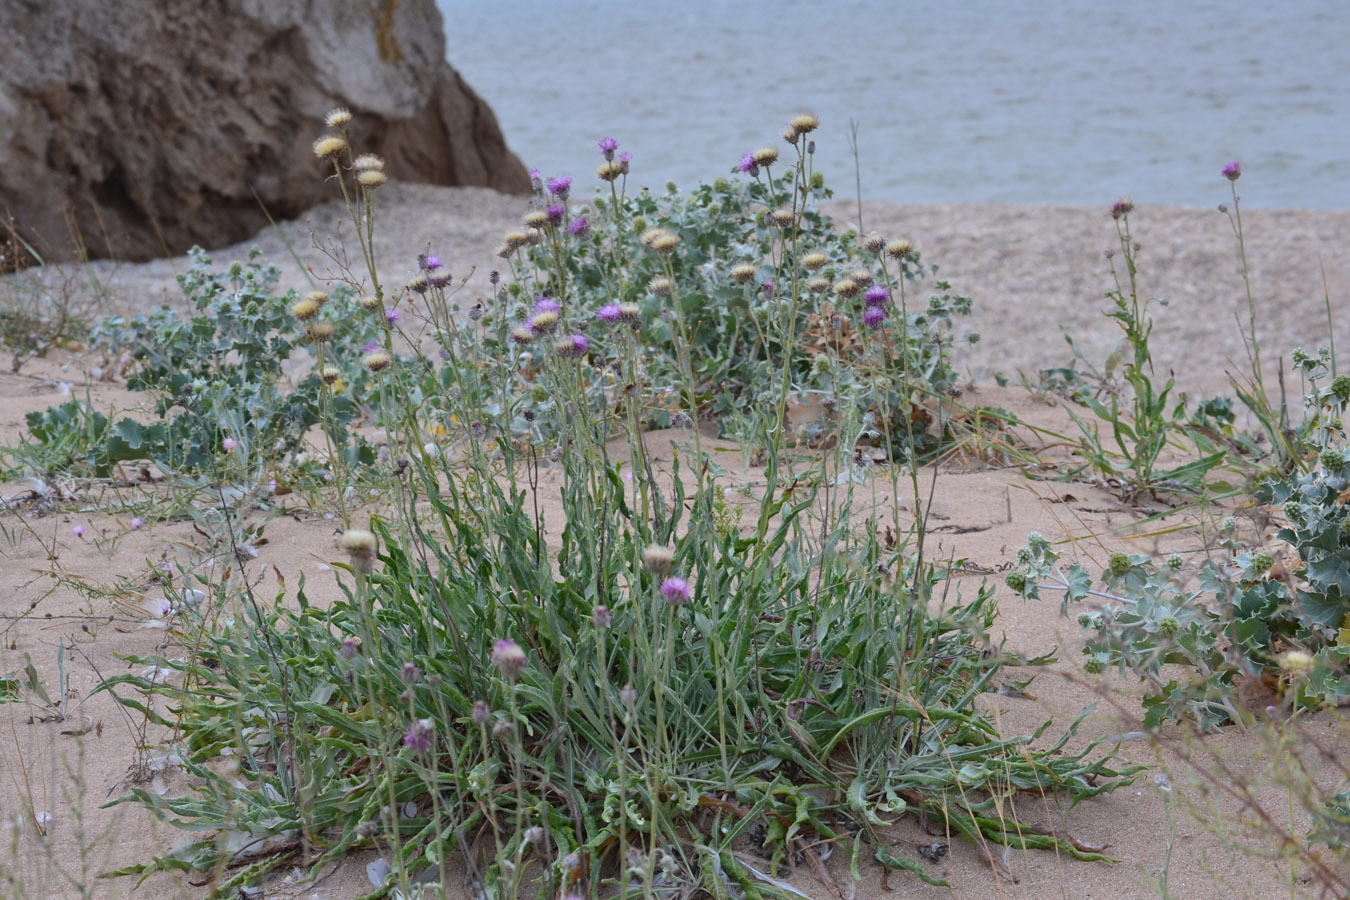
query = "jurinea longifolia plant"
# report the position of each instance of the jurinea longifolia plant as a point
(608, 698)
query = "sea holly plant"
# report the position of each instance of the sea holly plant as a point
(1235, 630)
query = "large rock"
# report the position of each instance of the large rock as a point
(143, 127)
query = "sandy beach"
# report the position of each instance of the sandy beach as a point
(1035, 273)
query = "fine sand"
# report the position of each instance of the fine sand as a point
(1031, 270)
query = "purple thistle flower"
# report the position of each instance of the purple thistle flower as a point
(767, 288)
(419, 735)
(610, 312)
(410, 673)
(536, 179)
(874, 316)
(508, 657)
(439, 278)
(229, 444)
(371, 347)
(748, 165)
(392, 316)
(579, 227)
(1232, 171)
(675, 590)
(624, 159)
(78, 531)
(601, 617)
(877, 295)
(428, 262)
(573, 346)
(556, 213)
(137, 523)
(560, 186)
(607, 146)
(547, 305)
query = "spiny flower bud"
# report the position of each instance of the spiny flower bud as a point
(744, 273)
(1332, 460)
(814, 260)
(901, 249)
(481, 713)
(1175, 562)
(1262, 560)
(508, 658)
(601, 617)
(1340, 386)
(1093, 666)
(1119, 563)
(874, 243)
(338, 118)
(1169, 626)
(1122, 207)
(351, 648)
(658, 559)
(329, 146)
(1016, 580)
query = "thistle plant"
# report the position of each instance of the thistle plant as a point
(615, 703)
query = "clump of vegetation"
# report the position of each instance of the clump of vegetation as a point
(629, 703)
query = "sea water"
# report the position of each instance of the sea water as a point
(1021, 101)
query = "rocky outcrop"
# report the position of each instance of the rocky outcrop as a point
(142, 127)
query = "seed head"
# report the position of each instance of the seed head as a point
(1122, 207)
(369, 303)
(535, 219)
(661, 286)
(875, 243)
(814, 260)
(1297, 662)
(660, 240)
(304, 310)
(765, 156)
(544, 322)
(418, 283)
(338, 118)
(847, 288)
(518, 239)
(371, 179)
(321, 332)
(862, 277)
(508, 658)
(744, 273)
(522, 334)
(803, 124)
(658, 559)
(439, 278)
(377, 361)
(628, 695)
(329, 146)
(630, 313)
(818, 285)
(360, 547)
(901, 249)
(609, 170)
(368, 162)
(330, 374)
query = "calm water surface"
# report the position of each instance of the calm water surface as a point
(1023, 101)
